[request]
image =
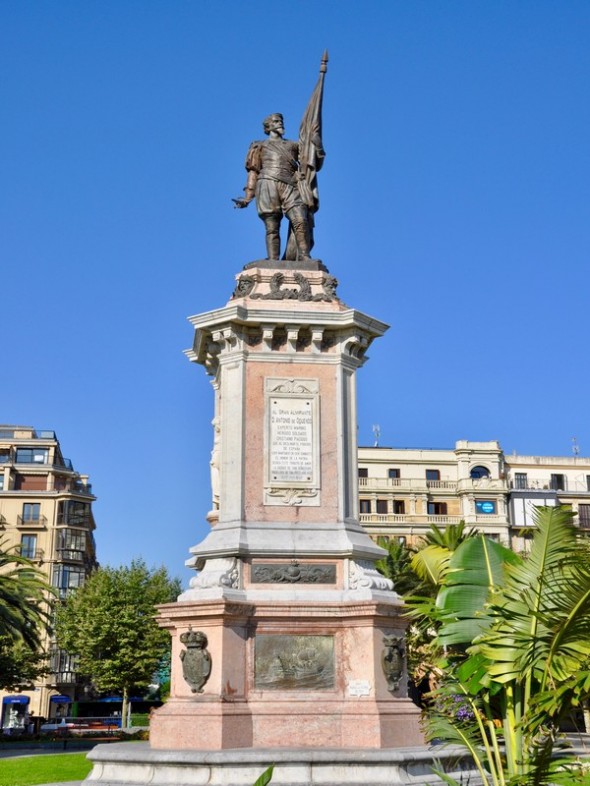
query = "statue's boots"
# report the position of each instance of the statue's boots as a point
(273, 238)
(300, 225)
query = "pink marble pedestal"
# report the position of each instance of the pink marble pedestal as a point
(348, 705)
(298, 622)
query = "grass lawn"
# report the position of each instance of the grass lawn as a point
(48, 768)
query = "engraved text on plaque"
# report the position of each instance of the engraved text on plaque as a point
(292, 442)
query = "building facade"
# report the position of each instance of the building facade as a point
(46, 514)
(403, 491)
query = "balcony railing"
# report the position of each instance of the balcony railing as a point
(547, 484)
(81, 488)
(413, 484)
(40, 521)
(63, 677)
(73, 520)
(72, 555)
(383, 518)
(35, 555)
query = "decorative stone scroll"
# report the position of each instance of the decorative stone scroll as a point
(219, 572)
(363, 574)
(304, 291)
(292, 433)
(296, 572)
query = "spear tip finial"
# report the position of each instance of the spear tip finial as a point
(324, 63)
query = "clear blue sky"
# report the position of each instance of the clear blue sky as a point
(455, 207)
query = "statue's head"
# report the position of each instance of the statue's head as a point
(269, 121)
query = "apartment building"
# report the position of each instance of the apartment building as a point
(403, 491)
(46, 513)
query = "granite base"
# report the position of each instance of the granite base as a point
(136, 764)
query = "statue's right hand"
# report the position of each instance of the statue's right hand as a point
(241, 202)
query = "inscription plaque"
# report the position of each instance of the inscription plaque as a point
(291, 440)
(285, 662)
(359, 688)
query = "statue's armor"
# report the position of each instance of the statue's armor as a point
(276, 167)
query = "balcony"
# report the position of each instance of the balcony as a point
(410, 519)
(35, 555)
(81, 488)
(562, 484)
(408, 484)
(40, 522)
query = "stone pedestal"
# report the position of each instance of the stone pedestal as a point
(135, 764)
(288, 636)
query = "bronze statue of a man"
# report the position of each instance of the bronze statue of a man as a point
(277, 181)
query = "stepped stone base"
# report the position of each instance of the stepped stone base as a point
(135, 764)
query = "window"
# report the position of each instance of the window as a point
(558, 482)
(73, 512)
(588, 482)
(394, 473)
(2, 482)
(432, 474)
(63, 666)
(363, 472)
(71, 539)
(4, 455)
(382, 506)
(584, 516)
(28, 546)
(67, 577)
(30, 482)
(31, 511)
(31, 455)
(71, 544)
(520, 480)
(485, 506)
(365, 505)
(437, 508)
(479, 472)
(399, 506)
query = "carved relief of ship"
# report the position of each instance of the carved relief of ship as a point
(301, 664)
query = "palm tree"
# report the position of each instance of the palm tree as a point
(396, 565)
(417, 574)
(431, 561)
(24, 596)
(514, 638)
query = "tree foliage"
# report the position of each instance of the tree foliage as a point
(397, 565)
(20, 666)
(514, 648)
(24, 600)
(417, 573)
(109, 623)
